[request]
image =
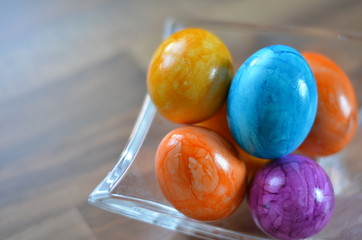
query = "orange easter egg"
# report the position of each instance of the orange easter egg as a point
(199, 173)
(218, 123)
(337, 114)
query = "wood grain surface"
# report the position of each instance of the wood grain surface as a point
(72, 80)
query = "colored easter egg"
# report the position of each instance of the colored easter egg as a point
(291, 198)
(199, 173)
(337, 114)
(252, 164)
(272, 102)
(189, 76)
(218, 123)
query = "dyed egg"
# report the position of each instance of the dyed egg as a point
(337, 114)
(291, 198)
(252, 164)
(218, 123)
(189, 76)
(199, 173)
(272, 102)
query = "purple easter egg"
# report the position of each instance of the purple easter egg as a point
(291, 198)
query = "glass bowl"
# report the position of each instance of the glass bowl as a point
(131, 187)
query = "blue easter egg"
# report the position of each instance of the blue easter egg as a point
(272, 102)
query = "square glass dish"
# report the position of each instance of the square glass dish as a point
(131, 187)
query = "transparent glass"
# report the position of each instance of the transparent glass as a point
(131, 187)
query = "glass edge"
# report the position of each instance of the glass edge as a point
(135, 140)
(139, 209)
(299, 29)
(130, 151)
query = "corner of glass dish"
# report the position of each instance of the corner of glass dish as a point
(144, 120)
(135, 140)
(102, 196)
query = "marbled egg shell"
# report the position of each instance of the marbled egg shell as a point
(189, 76)
(291, 198)
(272, 102)
(199, 173)
(337, 114)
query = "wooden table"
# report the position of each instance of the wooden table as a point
(72, 80)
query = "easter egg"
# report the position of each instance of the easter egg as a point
(252, 164)
(189, 76)
(218, 123)
(272, 102)
(199, 173)
(337, 114)
(291, 198)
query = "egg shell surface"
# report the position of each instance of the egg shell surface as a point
(272, 102)
(291, 198)
(189, 76)
(199, 173)
(337, 114)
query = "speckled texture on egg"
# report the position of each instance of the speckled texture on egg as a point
(291, 198)
(272, 102)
